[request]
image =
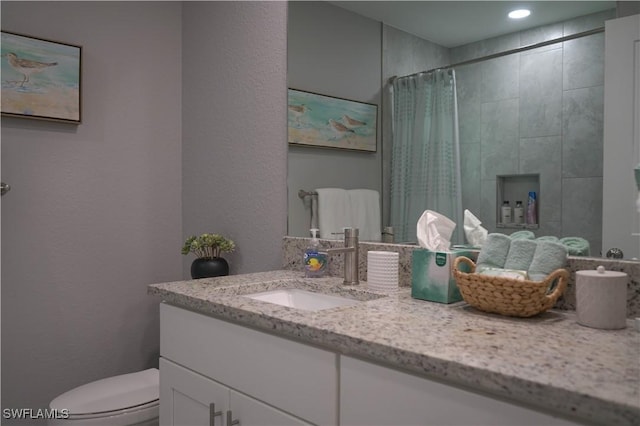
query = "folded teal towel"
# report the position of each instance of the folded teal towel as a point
(520, 254)
(494, 251)
(548, 257)
(576, 246)
(523, 235)
(548, 238)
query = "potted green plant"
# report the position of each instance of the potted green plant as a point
(207, 248)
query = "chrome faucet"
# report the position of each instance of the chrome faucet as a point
(350, 251)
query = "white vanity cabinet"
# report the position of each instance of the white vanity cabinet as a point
(190, 399)
(262, 379)
(374, 395)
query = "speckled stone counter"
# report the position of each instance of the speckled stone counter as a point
(293, 247)
(549, 361)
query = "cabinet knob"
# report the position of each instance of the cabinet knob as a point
(213, 414)
(231, 422)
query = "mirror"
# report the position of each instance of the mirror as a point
(532, 112)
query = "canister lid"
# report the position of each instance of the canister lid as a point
(600, 272)
(111, 394)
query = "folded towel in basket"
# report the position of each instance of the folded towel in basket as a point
(548, 257)
(520, 254)
(523, 235)
(576, 246)
(548, 238)
(494, 251)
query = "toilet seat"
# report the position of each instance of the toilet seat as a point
(115, 413)
(119, 399)
(146, 414)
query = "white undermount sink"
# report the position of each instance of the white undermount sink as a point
(302, 299)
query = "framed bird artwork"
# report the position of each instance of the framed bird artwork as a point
(40, 78)
(330, 122)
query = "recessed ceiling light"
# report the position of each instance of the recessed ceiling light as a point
(519, 14)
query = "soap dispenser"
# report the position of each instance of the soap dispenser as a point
(315, 261)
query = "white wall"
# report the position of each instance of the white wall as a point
(94, 213)
(234, 127)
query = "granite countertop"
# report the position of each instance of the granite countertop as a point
(548, 361)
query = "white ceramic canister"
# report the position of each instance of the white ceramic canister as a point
(382, 270)
(601, 298)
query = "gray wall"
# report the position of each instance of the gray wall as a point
(94, 211)
(539, 111)
(97, 211)
(627, 8)
(234, 127)
(337, 53)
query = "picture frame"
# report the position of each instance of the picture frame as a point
(329, 122)
(41, 79)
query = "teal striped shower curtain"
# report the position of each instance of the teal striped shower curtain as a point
(425, 163)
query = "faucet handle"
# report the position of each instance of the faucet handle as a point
(348, 232)
(351, 232)
(387, 234)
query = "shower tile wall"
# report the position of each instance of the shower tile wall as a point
(541, 112)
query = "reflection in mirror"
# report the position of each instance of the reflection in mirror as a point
(533, 112)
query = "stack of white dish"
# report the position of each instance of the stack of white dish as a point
(382, 270)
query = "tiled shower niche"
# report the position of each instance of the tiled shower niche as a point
(514, 188)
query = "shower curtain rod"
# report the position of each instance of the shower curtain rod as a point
(509, 52)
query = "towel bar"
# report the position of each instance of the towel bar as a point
(302, 193)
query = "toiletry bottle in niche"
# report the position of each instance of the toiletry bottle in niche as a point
(506, 212)
(532, 217)
(518, 213)
(315, 261)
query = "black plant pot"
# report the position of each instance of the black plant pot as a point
(209, 267)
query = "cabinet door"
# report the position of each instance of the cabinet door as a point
(186, 397)
(251, 412)
(373, 395)
(292, 376)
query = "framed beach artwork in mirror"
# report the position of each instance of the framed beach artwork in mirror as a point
(330, 122)
(40, 78)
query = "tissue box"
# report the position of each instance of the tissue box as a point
(432, 274)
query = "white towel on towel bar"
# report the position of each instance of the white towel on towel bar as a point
(334, 212)
(365, 213)
(355, 208)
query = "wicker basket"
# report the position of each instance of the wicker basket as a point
(507, 296)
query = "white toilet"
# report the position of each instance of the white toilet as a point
(125, 400)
